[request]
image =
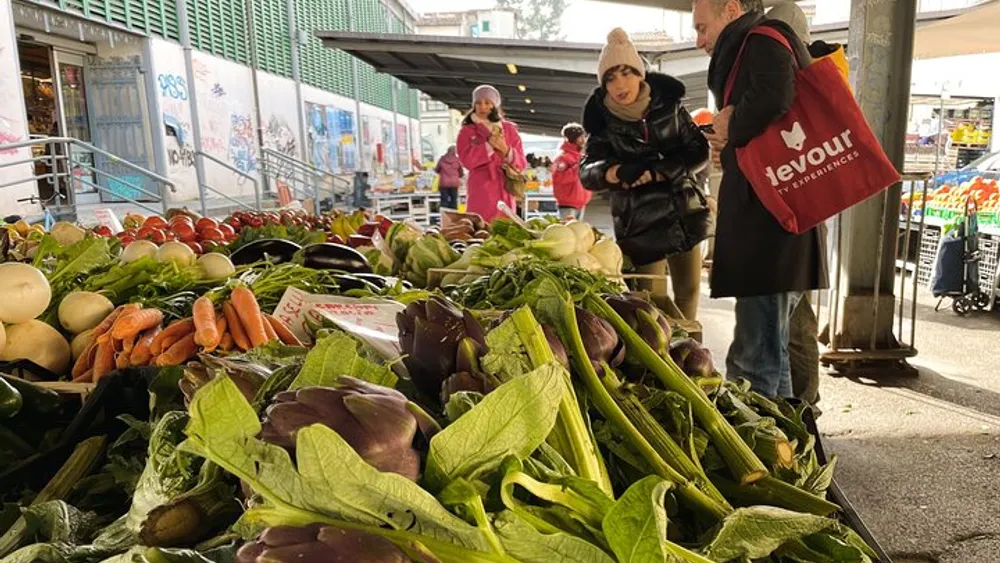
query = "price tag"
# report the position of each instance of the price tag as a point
(370, 319)
(108, 218)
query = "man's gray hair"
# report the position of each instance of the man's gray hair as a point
(747, 5)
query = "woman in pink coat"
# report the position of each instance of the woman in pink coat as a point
(485, 143)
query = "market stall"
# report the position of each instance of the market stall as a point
(283, 387)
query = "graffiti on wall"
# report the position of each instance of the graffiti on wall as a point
(279, 136)
(242, 145)
(331, 138)
(172, 86)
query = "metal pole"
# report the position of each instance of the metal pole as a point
(293, 33)
(199, 166)
(395, 126)
(254, 63)
(352, 24)
(939, 145)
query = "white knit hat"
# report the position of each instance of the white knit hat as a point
(486, 92)
(618, 52)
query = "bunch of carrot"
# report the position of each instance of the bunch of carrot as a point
(131, 336)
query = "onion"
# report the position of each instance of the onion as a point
(83, 310)
(24, 292)
(176, 252)
(216, 266)
(81, 342)
(139, 249)
(40, 343)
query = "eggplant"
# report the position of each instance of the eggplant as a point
(347, 282)
(332, 256)
(378, 281)
(274, 250)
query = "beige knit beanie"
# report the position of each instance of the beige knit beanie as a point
(619, 51)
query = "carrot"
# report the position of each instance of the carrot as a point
(85, 361)
(269, 330)
(180, 352)
(140, 353)
(284, 333)
(104, 362)
(176, 330)
(122, 360)
(220, 327)
(109, 320)
(205, 332)
(129, 342)
(227, 342)
(133, 324)
(235, 326)
(248, 311)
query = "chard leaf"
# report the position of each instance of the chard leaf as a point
(757, 531)
(338, 354)
(820, 479)
(513, 420)
(332, 483)
(60, 522)
(507, 359)
(636, 526)
(526, 544)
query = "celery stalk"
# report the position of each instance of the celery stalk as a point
(742, 461)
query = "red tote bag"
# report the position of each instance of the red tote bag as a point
(818, 159)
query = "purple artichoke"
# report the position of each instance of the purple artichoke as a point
(378, 422)
(644, 318)
(317, 543)
(692, 358)
(600, 339)
(438, 340)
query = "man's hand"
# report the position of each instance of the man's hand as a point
(612, 175)
(720, 123)
(646, 178)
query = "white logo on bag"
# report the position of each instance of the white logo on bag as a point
(817, 161)
(795, 138)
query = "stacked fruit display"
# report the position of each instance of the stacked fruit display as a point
(950, 200)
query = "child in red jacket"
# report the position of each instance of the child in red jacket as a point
(570, 194)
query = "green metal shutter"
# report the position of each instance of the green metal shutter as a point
(321, 66)
(156, 17)
(274, 52)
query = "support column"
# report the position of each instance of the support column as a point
(199, 165)
(255, 87)
(293, 34)
(352, 25)
(880, 51)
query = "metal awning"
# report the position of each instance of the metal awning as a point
(975, 32)
(544, 85)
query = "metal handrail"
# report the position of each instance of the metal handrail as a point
(238, 172)
(302, 173)
(69, 196)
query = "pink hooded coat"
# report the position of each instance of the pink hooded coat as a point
(487, 182)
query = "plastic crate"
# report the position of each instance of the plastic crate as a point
(989, 249)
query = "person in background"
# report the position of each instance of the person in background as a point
(644, 149)
(803, 333)
(486, 143)
(766, 268)
(450, 174)
(361, 188)
(570, 194)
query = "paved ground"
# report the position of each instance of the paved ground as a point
(919, 457)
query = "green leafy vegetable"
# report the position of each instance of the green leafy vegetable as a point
(332, 484)
(757, 531)
(525, 543)
(512, 420)
(337, 353)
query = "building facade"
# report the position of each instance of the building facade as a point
(439, 125)
(114, 73)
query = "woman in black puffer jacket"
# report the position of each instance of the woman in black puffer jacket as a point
(644, 148)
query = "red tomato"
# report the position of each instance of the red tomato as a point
(185, 232)
(126, 241)
(234, 223)
(195, 247)
(170, 235)
(209, 245)
(155, 222)
(145, 232)
(212, 233)
(180, 219)
(102, 231)
(227, 230)
(256, 222)
(131, 233)
(204, 223)
(158, 236)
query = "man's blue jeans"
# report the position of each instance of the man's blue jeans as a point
(759, 352)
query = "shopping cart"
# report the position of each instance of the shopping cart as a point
(956, 270)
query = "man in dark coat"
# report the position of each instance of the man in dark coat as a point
(764, 267)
